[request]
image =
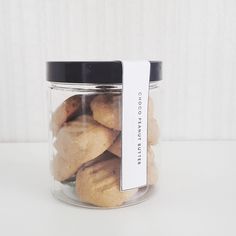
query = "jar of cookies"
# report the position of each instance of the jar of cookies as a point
(104, 131)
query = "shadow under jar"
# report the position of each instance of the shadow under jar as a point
(85, 112)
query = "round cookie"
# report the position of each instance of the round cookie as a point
(66, 110)
(107, 110)
(82, 140)
(99, 184)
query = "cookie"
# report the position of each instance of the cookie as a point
(107, 110)
(82, 140)
(99, 184)
(64, 112)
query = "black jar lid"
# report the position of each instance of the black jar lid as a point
(95, 72)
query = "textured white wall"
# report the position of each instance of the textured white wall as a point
(196, 39)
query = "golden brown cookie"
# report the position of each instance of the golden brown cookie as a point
(107, 110)
(67, 109)
(115, 148)
(99, 184)
(82, 140)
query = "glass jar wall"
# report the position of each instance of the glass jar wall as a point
(86, 144)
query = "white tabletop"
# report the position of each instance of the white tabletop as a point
(197, 196)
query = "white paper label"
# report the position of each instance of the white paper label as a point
(134, 124)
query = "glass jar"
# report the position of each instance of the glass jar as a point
(85, 134)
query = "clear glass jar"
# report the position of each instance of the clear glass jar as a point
(85, 136)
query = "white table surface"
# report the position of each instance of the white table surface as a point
(197, 196)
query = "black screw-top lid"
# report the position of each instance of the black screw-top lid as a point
(95, 72)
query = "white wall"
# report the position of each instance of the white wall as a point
(196, 39)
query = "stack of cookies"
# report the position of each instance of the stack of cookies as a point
(87, 133)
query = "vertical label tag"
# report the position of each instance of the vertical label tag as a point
(134, 124)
